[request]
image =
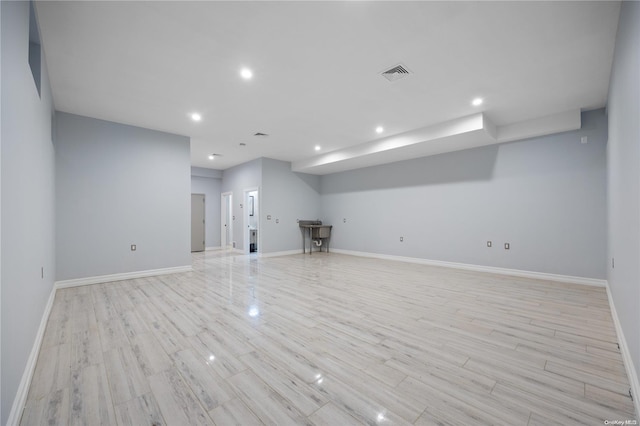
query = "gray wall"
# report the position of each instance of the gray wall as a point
(545, 196)
(623, 153)
(119, 185)
(204, 183)
(237, 179)
(286, 196)
(27, 193)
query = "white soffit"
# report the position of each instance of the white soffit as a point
(556, 123)
(463, 133)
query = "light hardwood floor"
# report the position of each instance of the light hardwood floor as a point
(332, 340)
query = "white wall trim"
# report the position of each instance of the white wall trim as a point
(20, 400)
(626, 354)
(480, 268)
(121, 277)
(225, 217)
(213, 248)
(246, 234)
(281, 253)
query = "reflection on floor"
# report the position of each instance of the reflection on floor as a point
(328, 339)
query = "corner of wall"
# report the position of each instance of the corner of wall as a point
(26, 145)
(623, 190)
(627, 358)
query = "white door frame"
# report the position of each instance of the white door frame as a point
(245, 218)
(226, 218)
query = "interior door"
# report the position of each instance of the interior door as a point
(197, 222)
(226, 232)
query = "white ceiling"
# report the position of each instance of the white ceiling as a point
(317, 70)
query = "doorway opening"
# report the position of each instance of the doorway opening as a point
(252, 221)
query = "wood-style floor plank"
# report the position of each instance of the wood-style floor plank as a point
(91, 400)
(178, 405)
(328, 339)
(234, 413)
(142, 410)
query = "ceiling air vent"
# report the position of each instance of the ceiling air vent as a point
(396, 73)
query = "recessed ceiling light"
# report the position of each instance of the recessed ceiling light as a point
(212, 157)
(477, 102)
(196, 117)
(379, 129)
(318, 148)
(246, 73)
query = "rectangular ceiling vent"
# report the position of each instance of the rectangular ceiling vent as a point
(396, 73)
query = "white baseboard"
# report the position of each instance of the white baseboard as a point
(121, 277)
(213, 248)
(480, 268)
(23, 389)
(626, 355)
(281, 253)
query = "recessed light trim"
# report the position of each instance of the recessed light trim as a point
(196, 116)
(379, 129)
(317, 148)
(212, 157)
(246, 73)
(477, 101)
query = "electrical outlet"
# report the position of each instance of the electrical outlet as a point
(401, 239)
(277, 220)
(507, 246)
(268, 217)
(133, 247)
(344, 220)
(488, 243)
